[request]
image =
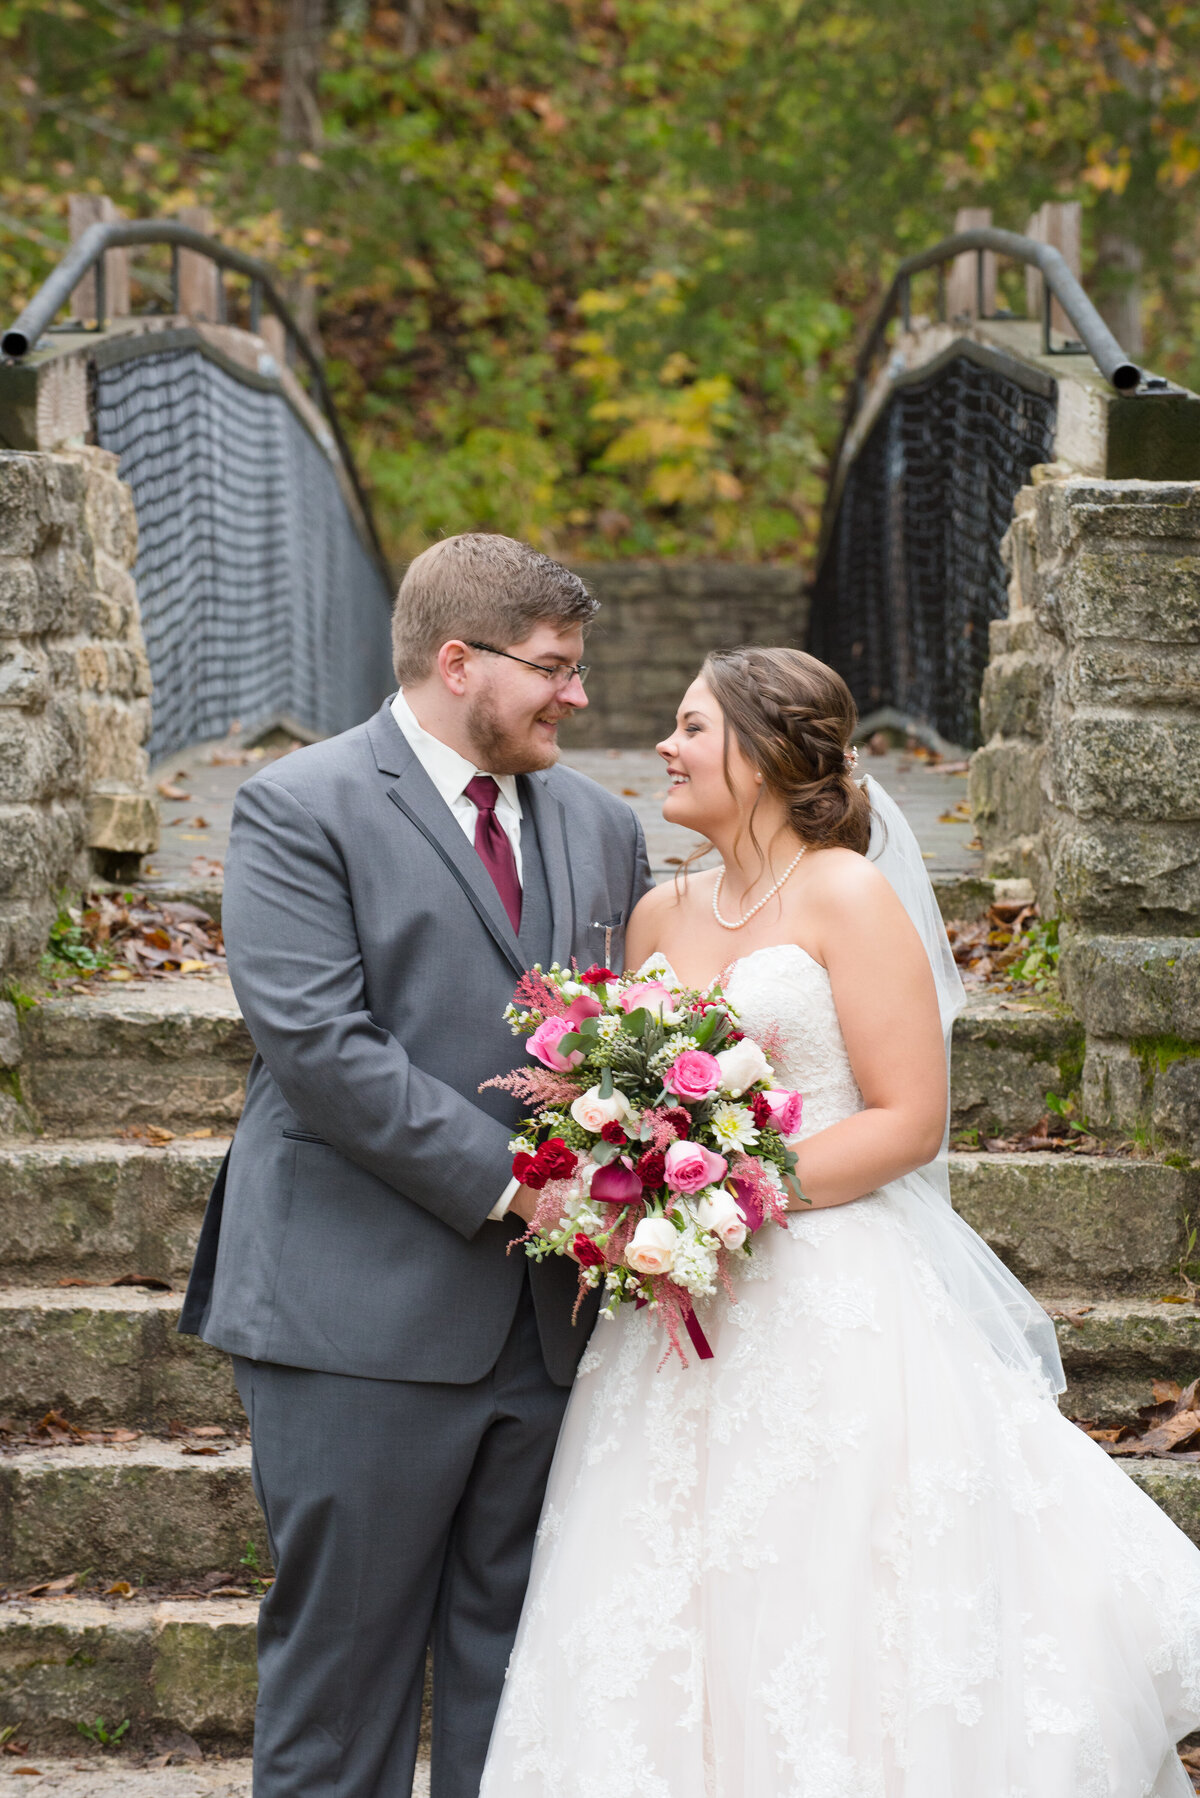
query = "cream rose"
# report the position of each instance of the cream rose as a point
(593, 1112)
(741, 1066)
(723, 1216)
(651, 1248)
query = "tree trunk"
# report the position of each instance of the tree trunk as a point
(299, 112)
(1118, 283)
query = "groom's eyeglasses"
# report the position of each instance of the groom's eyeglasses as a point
(562, 673)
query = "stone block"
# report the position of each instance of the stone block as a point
(180, 1664)
(115, 731)
(18, 594)
(1004, 1064)
(1149, 1086)
(1005, 790)
(125, 822)
(142, 1512)
(1127, 875)
(1127, 674)
(109, 1355)
(1089, 1224)
(1126, 509)
(1148, 593)
(10, 1035)
(1016, 695)
(1112, 1349)
(24, 675)
(1175, 1489)
(1115, 766)
(1124, 987)
(24, 503)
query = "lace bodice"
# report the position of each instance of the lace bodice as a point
(784, 1000)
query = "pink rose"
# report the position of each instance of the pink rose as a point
(544, 1044)
(693, 1075)
(655, 997)
(785, 1108)
(689, 1166)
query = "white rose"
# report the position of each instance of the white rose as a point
(741, 1066)
(720, 1214)
(593, 1112)
(651, 1248)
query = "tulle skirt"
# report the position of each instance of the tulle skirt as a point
(854, 1555)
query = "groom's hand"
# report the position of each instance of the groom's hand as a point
(524, 1204)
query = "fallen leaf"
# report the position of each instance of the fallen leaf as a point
(630, 792)
(35, 1770)
(53, 1588)
(123, 1435)
(199, 823)
(120, 1588)
(673, 861)
(199, 1448)
(157, 1134)
(1173, 1298)
(73, 1282)
(193, 966)
(195, 1135)
(229, 1591)
(119, 974)
(191, 836)
(175, 794)
(209, 1429)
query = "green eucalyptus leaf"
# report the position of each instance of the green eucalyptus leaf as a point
(604, 1152)
(606, 1084)
(635, 1021)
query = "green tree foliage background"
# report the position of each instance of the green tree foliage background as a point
(589, 271)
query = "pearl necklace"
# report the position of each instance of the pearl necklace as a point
(746, 917)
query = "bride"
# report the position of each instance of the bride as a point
(859, 1553)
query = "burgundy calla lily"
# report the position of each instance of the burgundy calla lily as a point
(748, 1203)
(616, 1184)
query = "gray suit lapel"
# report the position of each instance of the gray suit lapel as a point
(550, 821)
(416, 796)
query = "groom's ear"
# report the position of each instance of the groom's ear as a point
(452, 660)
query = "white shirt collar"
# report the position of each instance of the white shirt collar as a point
(448, 770)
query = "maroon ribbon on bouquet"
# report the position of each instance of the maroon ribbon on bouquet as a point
(691, 1324)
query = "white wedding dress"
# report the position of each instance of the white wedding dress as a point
(856, 1554)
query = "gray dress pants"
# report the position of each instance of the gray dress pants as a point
(400, 1515)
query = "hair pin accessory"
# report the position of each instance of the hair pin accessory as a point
(851, 756)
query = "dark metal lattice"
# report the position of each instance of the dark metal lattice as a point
(258, 597)
(912, 575)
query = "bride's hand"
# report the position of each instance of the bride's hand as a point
(524, 1204)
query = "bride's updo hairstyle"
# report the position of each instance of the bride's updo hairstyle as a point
(793, 719)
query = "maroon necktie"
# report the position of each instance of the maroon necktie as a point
(494, 849)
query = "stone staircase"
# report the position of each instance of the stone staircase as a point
(1098, 1239)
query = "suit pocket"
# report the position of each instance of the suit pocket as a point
(307, 1136)
(605, 939)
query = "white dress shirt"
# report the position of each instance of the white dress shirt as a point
(450, 774)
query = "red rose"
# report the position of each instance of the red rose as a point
(733, 1036)
(762, 1111)
(597, 976)
(652, 1168)
(527, 1170)
(555, 1161)
(614, 1133)
(586, 1253)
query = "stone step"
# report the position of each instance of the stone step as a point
(171, 1053)
(190, 1663)
(1113, 1348)
(97, 1210)
(176, 1055)
(166, 1665)
(1090, 1224)
(109, 1355)
(91, 1209)
(146, 1512)
(179, 1664)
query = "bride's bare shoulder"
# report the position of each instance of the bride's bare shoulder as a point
(841, 879)
(672, 899)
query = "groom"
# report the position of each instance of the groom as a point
(404, 1375)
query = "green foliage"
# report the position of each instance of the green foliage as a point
(1037, 963)
(100, 1735)
(589, 272)
(69, 951)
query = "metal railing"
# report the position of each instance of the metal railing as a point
(1058, 283)
(88, 253)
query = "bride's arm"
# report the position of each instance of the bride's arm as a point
(887, 1007)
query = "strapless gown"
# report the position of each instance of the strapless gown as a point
(852, 1556)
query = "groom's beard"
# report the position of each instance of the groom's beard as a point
(500, 748)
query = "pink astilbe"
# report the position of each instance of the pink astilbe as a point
(665, 1126)
(674, 1308)
(536, 994)
(536, 1086)
(772, 1042)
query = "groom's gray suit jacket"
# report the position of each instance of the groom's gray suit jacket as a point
(373, 959)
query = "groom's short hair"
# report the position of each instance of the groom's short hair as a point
(484, 588)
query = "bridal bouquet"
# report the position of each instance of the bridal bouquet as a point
(656, 1138)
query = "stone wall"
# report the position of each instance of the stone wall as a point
(74, 689)
(657, 622)
(1089, 781)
